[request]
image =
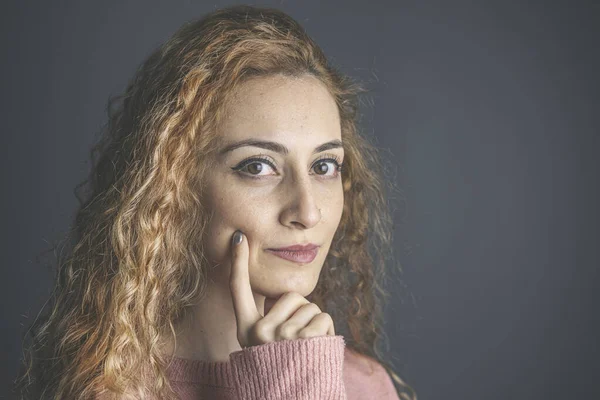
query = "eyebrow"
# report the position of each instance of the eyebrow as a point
(277, 147)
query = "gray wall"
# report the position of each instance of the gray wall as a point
(488, 112)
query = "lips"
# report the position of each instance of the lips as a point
(303, 254)
(297, 247)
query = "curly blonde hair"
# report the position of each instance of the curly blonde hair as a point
(135, 263)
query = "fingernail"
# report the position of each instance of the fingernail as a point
(237, 237)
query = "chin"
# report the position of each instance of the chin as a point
(276, 284)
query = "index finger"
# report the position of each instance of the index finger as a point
(246, 313)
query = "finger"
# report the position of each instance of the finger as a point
(299, 320)
(331, 330)
(246, 313)
(284, 308)
(320, 325)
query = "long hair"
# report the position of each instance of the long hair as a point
(134, 259)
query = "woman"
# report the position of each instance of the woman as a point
(234, 140)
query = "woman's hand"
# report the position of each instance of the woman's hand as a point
(291, 317)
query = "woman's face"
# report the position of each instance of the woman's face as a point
(292, 197)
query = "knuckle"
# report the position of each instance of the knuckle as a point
(287, 331)
(313, 307)
(326, 316)
(296, 297)
(260, 332)
(323, 321)
(305, 333)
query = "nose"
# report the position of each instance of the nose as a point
(301, 211)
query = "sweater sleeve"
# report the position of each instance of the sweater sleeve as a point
(308, 368)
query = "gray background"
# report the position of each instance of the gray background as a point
(488, 111)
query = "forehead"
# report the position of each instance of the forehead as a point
(291, 109)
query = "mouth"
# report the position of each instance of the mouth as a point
(298, 256)
(297, 247)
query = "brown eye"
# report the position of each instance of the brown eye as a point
(254, 168)
(321, 167)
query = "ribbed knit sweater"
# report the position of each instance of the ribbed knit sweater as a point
(308, 369)
(313, 368)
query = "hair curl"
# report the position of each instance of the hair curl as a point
(134, 263)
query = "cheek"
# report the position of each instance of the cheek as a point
(232, 210)
(334, 203)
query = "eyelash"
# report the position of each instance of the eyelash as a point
(267, 160)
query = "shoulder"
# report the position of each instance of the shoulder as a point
(361, 363)
(365, 376)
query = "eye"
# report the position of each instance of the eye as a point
(254, 166)
(327, 166)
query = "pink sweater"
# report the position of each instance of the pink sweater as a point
(313, 368)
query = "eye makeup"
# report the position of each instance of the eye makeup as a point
(265, 159)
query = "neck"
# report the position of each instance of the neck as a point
(208, 331)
